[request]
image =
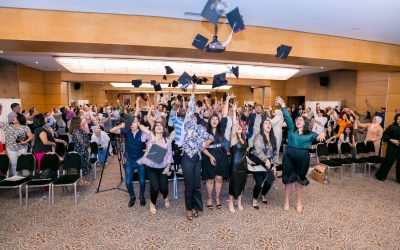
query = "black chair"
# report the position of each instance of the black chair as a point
(94, 153)
(4, 165)
(60, 149)
(322, 151)
(72, 160)
(345, 149)
(24, 162)
(64, 138)
(49, 165)
(365, 149)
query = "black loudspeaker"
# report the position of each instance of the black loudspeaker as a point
(324, 81)
(77, 85)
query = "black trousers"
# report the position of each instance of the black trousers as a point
(392, 154)
(191, 168)
(259, 178)
(158, 183)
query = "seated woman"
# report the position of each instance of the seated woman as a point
(331, 138)
(347, 137)
(263, 152)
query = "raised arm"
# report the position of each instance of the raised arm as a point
(285, 113)
(226, 106)
(137, 107)
(117, 129)
(234, 137)
(369, 107)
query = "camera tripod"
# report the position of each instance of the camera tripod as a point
(115, 142)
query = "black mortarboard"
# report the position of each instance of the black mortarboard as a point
(235, 71)
(283, 51)
(235, 20)
(219, 80)
(200, 42)
(179, 97)
(184, 79)
(164, 77)
(153, 82)
(168, 70)
(175, 84)
(143, 96)
(212, 11)
(157, 87)
(169, 85)
(209, 96)
(137, 83)
(204, 79)
(161, 95)
(196, 80)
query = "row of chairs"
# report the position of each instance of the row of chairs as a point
(51, 165)
(346, 157)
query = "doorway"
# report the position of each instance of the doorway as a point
(296, 100)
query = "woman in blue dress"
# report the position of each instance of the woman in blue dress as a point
(296, 157)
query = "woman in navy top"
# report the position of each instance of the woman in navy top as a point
(296, 157)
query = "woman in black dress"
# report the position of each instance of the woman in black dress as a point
(214, 162)
(238, 163)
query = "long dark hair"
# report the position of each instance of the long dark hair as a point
(21, 119)
(38, 121)
(306, 128)
(272, 138)
(350, 135)
(218, 130)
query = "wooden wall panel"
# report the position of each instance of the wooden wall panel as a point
(31, 88)
(372, 86)
(296, 86)
(9, 87)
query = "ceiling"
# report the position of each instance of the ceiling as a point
(372, 20)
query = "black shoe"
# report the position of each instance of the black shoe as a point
(142, 201)
(380, 179)
(132, 202)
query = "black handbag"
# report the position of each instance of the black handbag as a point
(270, 177)
(156, 153)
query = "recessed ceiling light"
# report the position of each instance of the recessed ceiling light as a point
(36, 62)
(1, 52)
(321, 67)
(59, 69)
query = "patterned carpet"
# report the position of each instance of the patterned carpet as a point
(352, 213)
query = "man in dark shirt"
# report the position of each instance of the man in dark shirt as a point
(133, 152)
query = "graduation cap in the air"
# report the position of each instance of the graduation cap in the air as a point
(235, 20)
(153, 82)
(137, 83)
(219, 80)
(157, 87)
(213, 10)
(175, 84)
(235, 71)
(169, 70)
(179, 97)
(197, 80)
(169, 85)
(200, 42)
(204, 79)
(185, 80)
(283, 51)
(161, 95)
(164, 77)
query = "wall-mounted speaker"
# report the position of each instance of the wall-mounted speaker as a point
(77, 85)
(324, 81)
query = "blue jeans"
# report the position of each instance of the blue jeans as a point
(129, 168)
(102, 155)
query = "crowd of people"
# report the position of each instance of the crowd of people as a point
(210, 139)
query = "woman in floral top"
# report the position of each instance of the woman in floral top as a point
(80, 138)
(17, 137)
(196, 138)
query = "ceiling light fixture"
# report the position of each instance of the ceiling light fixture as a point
(164, 86)
(157, 67)
(36, 62)
(1, 52)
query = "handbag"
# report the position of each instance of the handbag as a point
(318, 173)
(156, 153)
(269, 178)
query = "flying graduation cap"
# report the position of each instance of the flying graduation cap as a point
(185, 80)
(283, 51)
(175, 84)
(169, 70)
(153, 82)
(200, 42)
(164, 77)
(235, 20)
(219, 80)
(137, 83)
(143, 96)
(213, 10)
(157, 87)
(235, 71)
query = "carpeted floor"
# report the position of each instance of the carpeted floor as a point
(352, 213)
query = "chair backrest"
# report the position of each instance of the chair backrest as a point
(71, 147)
(64, 138)
(72, 160)
(60, 149)
(50, 161)
(26, 162)
(322, 150)
(94, 148)
(333, 149)
(345, 148)
(4, 162)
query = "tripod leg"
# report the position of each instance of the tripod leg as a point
(102, 169)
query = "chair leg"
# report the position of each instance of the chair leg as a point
(369, 169)
(75, 192)
(329, 175)
(26, 195)
(49, 195)
(52, 193)
(353, 169)
(20, 195)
